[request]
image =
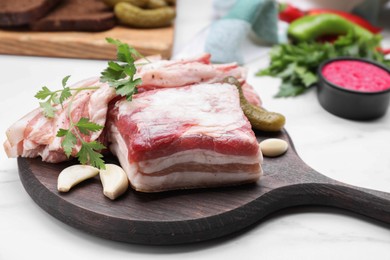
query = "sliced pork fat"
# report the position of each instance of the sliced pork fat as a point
(35, 135)
(188, 137)
(183, 72)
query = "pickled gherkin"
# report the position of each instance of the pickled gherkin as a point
(139, 3)
(259, 118)
(131, 15)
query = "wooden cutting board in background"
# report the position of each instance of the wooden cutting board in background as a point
(86, 45)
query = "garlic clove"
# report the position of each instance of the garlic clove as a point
(73, 175)
(273, 147)
(114, 180)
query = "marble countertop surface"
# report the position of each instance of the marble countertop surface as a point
(353, 152)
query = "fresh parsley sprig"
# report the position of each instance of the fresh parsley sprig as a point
(56, 97)
(53, 97)
(121, 75)
(89, 151)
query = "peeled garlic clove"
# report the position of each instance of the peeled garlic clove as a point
(114, 180)
(73, 175)
(273, 147)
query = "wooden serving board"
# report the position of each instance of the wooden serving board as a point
(187, 216)
(86, 45)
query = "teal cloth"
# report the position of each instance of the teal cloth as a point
(262, 15)
(247, 20)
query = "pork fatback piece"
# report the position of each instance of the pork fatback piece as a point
(35, 135)
(188, 137)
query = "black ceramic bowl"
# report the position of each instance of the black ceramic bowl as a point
(348, 103)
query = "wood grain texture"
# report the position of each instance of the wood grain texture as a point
(178, 217)
(86, 45)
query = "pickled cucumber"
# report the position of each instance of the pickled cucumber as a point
(131, 15)
(139, 3)
(259, 118)
(153, 4)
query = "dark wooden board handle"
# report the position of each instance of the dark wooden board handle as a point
(370, 203)
(367, 202)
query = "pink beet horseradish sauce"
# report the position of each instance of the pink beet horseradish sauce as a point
(357, 75)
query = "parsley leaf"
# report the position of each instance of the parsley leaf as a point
(65, 80)
(65, 94)
(69, 140)
(85, 126)
(44, 93)
(125, 53)
(128, 89)
(48, 109)
(88, 154)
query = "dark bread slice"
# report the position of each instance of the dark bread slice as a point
(77, 15)
(22, 12)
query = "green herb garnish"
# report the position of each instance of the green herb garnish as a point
(89, 151)
(121, 75)
(297, 64)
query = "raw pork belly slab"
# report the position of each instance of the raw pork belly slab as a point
(188, 137)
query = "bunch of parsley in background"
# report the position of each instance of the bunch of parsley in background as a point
(297, 65)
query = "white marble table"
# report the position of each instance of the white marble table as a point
(353, 152)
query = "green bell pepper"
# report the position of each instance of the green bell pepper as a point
(309, 28)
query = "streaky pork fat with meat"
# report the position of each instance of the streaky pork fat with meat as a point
(188, 137)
